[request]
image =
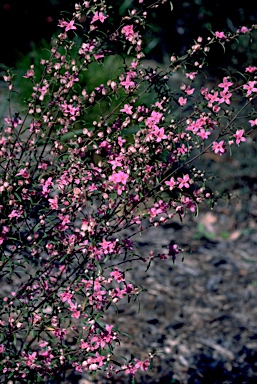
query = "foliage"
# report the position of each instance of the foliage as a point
(71, 186)
(27, 22)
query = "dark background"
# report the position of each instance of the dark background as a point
(25, 21)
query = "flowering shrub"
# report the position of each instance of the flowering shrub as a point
(71, 187)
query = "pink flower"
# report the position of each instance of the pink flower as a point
(225, 97)
(120, 177)
(225, 84)
(43, 343)
(134, 64)
(250, 69)
(203, 134)
(70, 109)
(212, 97)
(67, 25)
(184, 182)
(220, 35)
(29, 73)
(15, 213)
(46, 184)
(31, 358)
(188, 203)
(98, 16)
(216, 108)
(239, 136)
(24, 173)
(191, 75)
(107, 246)
(182, 101)
(58, 332)
(127, 83)
(250, 87)
(253, 122)
(127, 109)
(155, 118)
(219, 148)
(171, 183)
(117, 275)
(53, 202)
(36, 318)
(159, 133)
(75, 312)
(128, 31)
(115, 163)
(66, 296)
(121, 141)
(244, 30)
(143, 365)
(189, 90)
(183, 149)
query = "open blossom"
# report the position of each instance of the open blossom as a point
(127, 83)
(184, 182)
(30, 358)
(203, 134)
(46, 184)
(182, 101)
(225, 97)
(239, 136)
(143, 365)
(121, 141)
(250, 69)
(244, 29)
(119, 177)
(117, 275)
(253, 122)
(127, 109)
(29, 73)
(171, 183)
(67, 25)
(53, 202)
(36, 318)
(191, 75)
(128, 31)
(189, 90)
(220, 35)
(24, 173)
(250, 87)
(58, 332)
(159, 134)
(225, 84)
(15, 213)
(219, 148)
(98, 16)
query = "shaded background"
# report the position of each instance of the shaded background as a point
(27, 21)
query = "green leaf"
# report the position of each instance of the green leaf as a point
(223, 46)
(138, 310)
(127, 335)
